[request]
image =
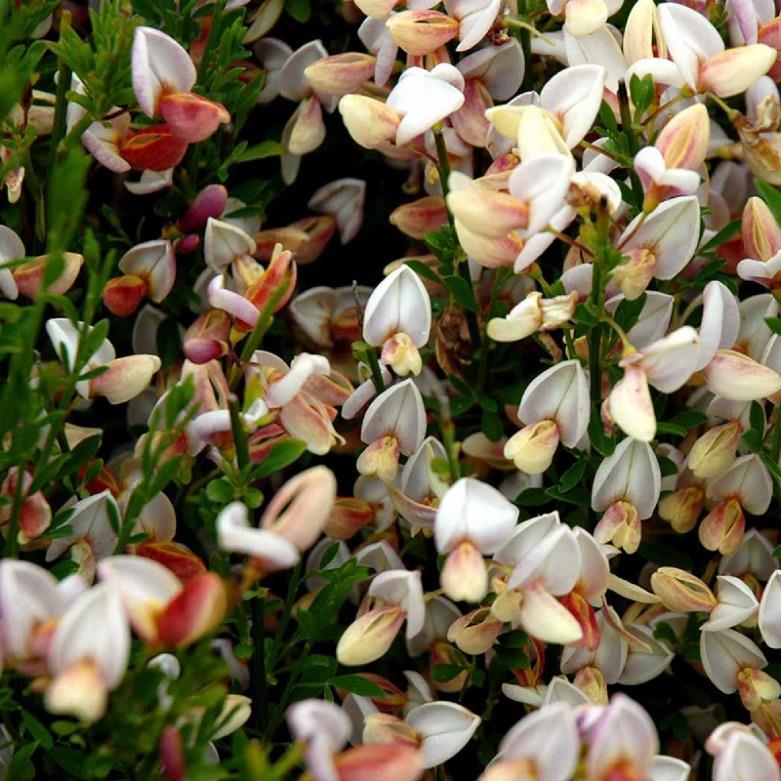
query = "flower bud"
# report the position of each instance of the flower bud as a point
(306, 127)
(683, 141)
(29, 276)
(210, 202)
(464, 576)
(194, 612)
(123, 295)
(682, 508)
(417, 218)
(714, 451)
(380, 763)
(681, 591)
(421, 32)
(476, 632)
(370, 636)
(737, 377)
(722, 528)
(340, 74)
(207, 337)
(125, 378)
(733, 71)
(760, 231)
(621, 526)
(370, 122)
(487, 212)
(533, 447)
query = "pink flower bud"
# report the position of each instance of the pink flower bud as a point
(417, 218)
(683, 141)
(722, 528)
(464, 576)
(210, 202)
(621, 526)
(380, 763)
(760, 231)
(737, 377)
(340, 74)
(682, 592)
(370, 122)
(421, 32)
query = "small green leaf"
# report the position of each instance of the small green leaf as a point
(422, 270)
(357, 684)
(461, 291)
(300, 10)
(442, 673)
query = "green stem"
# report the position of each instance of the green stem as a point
(775, 444)
(239, 435)
(374, 365)
(259, 681)
(60, 103)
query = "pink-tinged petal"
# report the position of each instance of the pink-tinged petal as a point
(464, 577)
(574, 95)
(235, 535)
(417, 218)
(223, 243)
(630, 406)
(29, 276)
(301, 507)
(549, 739)
(190, 117)
(125, 378)
(733, 71)
(488, 252)
(595, 569)
(159, 65)
(399, 412)
(724, 654)
(770, 612)
(625, 733)
(632, 473)
(720, 321)
(370, 636)
(93, 628)
(561, 394)
(476, 511)
(305, 130)
(690, 38)
(444, 729)
(391, 762)
(421, 32)
(234, 304)
(155, 262)
(546, 619)
(340, 74)
(145, 588)
(194, 612)
(485, 211)
(400, 587)
(759, 230)
(737, 377)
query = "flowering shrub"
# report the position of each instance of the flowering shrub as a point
(507, 509)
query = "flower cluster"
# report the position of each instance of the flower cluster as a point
(526, 473)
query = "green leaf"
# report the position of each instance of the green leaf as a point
(573, 475)
(725, 234)
(37, 730)
(491, 425)
(281, 455)
(300, 10)
(422, 270)
(642, 92)
(461, 291)
(264, 149)
(665, 555)
(442, 673)
(774, 324)
(357, 684)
